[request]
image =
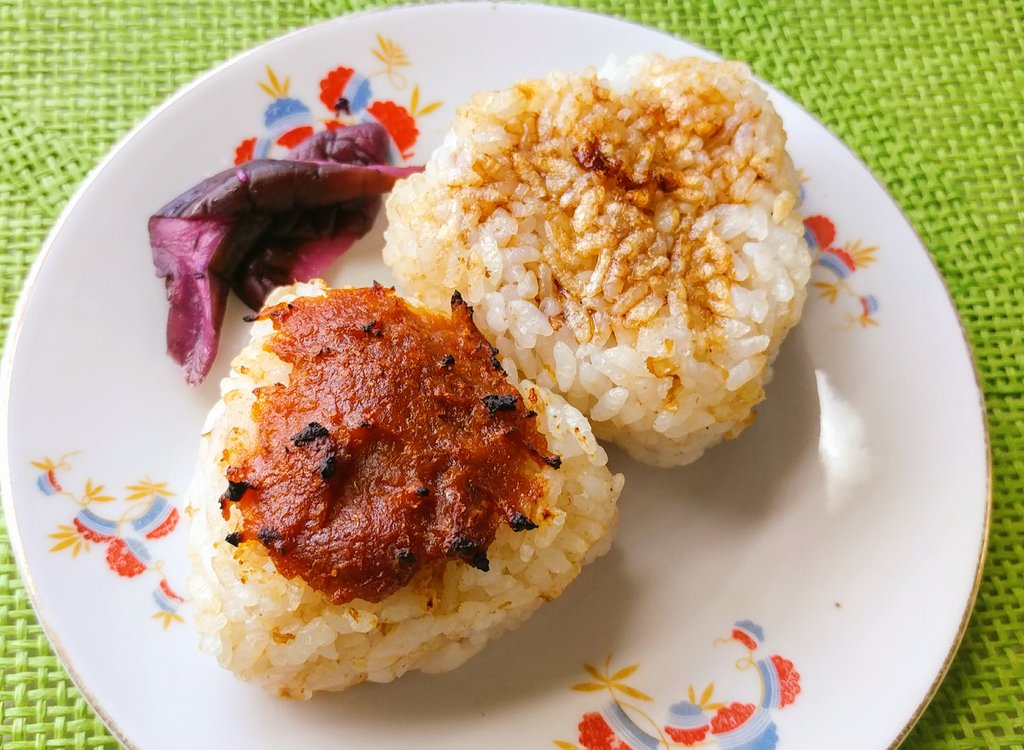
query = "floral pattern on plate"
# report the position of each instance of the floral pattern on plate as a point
(348, 97)
(144, 514)
(622, 724)
(840, 263)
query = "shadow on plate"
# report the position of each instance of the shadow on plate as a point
(735, 486)
(543, 655)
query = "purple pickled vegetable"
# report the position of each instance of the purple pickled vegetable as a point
(360, 144)
(262, 224)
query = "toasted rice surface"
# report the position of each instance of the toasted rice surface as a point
(631, 240)
(289, 638)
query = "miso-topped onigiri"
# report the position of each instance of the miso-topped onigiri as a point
(630, 240)
(376, 495)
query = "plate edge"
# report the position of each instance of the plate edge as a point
(18, 315)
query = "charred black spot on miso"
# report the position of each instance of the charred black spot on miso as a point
(496, 403)
(495, 363)
(520, 522)
(342, 106)
(445, 496)
(458, 301)
(555, 462)
(234, 538)
(235, 491)
(250, 318)
(462, 546)
(311, 432)
(271, 540)
(531, 414)
(328, 466)
(371, 329)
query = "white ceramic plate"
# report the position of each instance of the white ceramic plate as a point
(765, 595)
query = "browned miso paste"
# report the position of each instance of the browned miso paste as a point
(396, 446)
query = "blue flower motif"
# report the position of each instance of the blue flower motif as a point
(751, 627)
(283, 109)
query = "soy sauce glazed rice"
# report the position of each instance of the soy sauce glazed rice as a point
(295, 636)
(630, 240)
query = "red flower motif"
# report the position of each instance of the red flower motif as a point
(789, 680)
(333, 124)
(245, 151)
(333, 84)
(687, 736)
(295, 136)
(399, 123)
(847, 260)
(169, 592)
(166, 527)
(88, 533)
(122, 561)
(745, 639)
(595, 734)
(730, 717)
(822, 228)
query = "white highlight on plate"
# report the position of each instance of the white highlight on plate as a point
(842, 445)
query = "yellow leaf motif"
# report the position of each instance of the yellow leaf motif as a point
(68, 536)
(48, 464)
(594, 672)
(691, 695)
(632, 692)
(613, 683)
(713, 706)
(62, 545)
(625, 672)
(433, 106)
(276, 89)
(826, 290)
(390, 53)
(94, 493)
(146, 488)
(168, 618)
(414, 104)
(862, 256)
(706, 695)
(565, 745)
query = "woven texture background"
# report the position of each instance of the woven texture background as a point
(930, 94)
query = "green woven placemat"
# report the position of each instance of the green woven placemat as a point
(930, 94)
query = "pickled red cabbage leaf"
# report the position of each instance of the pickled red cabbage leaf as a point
(264, 223)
